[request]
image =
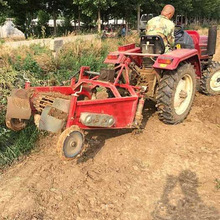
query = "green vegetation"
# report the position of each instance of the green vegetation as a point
(217, 184)
(1, 42)
(12, 144)
(15, 144)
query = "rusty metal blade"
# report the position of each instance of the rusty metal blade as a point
(50, 123)
(18, 105)
(62, 104)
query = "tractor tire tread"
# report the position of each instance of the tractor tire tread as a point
(206, 76)
(165, 94)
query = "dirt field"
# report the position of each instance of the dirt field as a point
(165, 173)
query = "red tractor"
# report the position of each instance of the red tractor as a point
(171, 77)
(114, 98)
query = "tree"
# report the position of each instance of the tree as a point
(126, 10)
(54, 8)
(42, 24)
(24, 11)
(96, 7)
(77, 5)
(205, 8)
(139, 3)
(3, 11)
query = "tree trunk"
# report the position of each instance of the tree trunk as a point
(138, 16)
(54, 23)
(75, 22)
(186, 19)
(126, 26)
(25, 33)
(79, 20)
(99, 20)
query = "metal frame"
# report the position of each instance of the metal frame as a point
(123, 109)
(193, 56)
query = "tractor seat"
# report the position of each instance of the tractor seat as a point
(152, 44)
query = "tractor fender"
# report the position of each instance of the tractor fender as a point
(171, 60)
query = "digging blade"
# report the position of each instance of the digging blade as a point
(18, 105)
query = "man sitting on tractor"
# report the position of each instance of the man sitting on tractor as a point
(163, 26)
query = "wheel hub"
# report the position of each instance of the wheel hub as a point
(73, 144)
(183, 94)
(215, 81)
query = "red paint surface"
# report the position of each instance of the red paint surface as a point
(123, 109)
(178, 56)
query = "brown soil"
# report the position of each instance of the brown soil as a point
(56, 113)
(165, 172)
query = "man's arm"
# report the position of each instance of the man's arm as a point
(172, 37)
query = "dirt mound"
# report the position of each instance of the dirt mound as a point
(209, 108)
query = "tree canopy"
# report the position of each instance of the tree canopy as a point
(91, 12)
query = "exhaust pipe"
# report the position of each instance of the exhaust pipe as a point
(212, 38)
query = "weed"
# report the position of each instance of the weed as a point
(15, 144)
(29, 64)
(217, 184)
(2, 41)
(37, 49)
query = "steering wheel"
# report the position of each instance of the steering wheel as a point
(178, 30)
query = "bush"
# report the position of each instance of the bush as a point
(28, 64)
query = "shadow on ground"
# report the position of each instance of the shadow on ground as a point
(187, 205)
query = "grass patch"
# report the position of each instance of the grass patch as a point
(15, 144)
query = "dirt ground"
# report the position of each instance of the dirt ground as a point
(164, 173)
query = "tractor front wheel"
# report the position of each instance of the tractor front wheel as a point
(210, 81)
(70, 143)
(175, 94)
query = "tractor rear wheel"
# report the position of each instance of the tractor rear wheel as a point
(175, 94)
(210, 81)
(70, 143)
